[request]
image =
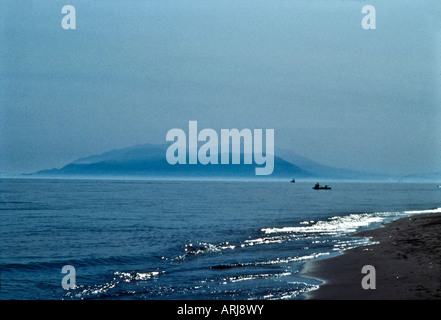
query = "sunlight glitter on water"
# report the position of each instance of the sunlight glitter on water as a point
(339, 225)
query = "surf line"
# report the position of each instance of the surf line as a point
(208, 153)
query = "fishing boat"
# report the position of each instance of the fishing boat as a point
(317, 186)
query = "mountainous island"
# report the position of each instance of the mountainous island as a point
(149, 161)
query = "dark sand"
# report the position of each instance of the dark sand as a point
(407, 263)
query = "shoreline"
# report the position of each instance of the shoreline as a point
(406, 256)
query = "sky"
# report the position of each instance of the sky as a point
(332, 91)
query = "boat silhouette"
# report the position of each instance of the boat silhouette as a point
(317, 186)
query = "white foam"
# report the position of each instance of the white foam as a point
(437, 210)
(340, 225)
(335, 225)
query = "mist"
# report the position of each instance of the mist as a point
(132, 70)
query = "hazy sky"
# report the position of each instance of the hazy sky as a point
(132, 70)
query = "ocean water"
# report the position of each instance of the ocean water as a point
(135, 239)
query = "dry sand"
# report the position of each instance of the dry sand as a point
(407, 262)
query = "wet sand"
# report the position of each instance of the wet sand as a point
(407, 262)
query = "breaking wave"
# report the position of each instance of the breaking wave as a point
(344, 225)
(330, 235)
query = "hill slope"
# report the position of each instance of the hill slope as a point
(149, 160)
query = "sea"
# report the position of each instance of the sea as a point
(184, 240)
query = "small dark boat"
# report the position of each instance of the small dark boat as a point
(319, 187)
(293, 181)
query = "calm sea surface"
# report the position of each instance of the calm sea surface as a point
(184, 239)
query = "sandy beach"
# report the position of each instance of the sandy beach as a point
(406, 257)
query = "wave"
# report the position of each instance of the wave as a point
(113, 288)
(270, 262)
(202, 248)
(136, 276)
(336, 226)
(249, 277)
(437, 210)
(344, 225)
(83, 262)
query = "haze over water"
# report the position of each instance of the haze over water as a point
(96, 99)
(132, 70)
